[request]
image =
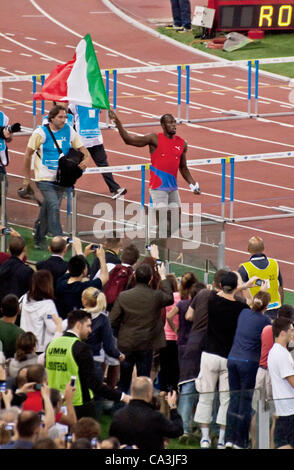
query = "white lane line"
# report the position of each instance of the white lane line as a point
(46, 58)
(32, 16)
(10, 34)
(71, 47)
(5, 50)
(51, 42)
(20, 71)
(130, 76)
(34, 3)
(148, 98)
(126, 93)
(286, 106)
(240, 97)
(171, 102)
(111, 54)
(29, 48)
(153, 63)
(15, 89)
(30, 39)
(217, 93)
(25, 55)
(240, 79)
(196, 89)
(151, 80)
(246, 252)
(218, 75)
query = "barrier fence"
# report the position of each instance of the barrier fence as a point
(250, 66)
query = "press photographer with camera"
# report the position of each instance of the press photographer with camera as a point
(6, 135)
(51, 144)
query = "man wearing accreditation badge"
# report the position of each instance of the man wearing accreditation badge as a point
(86, 123)
(46, 165)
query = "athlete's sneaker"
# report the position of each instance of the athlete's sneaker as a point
(205, 443)
(119, 192)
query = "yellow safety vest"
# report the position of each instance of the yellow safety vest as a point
(272, 274)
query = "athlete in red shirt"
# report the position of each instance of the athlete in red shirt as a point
(168, 155)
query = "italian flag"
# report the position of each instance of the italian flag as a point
(78, 81)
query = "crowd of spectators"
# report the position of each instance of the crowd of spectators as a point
(169, 356)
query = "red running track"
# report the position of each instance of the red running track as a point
(40, 35)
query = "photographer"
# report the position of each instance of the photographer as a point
(6, 135)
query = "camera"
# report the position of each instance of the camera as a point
(3, 386)
(158, 262)
(72, 380)
(69, 240)
(258, 282)
(49, 317)
(95, 247)
(148, 247)
(5, 231)
(37, 387)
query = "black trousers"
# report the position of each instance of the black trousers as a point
(99, 156)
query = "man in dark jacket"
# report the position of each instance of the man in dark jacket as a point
(55, 264)
(140, 424)
(136, 318)
(15, 275)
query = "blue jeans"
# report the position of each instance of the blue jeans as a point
(181, 10)
(186, 404)
(49, 216)
(242, 375)
(143, 362)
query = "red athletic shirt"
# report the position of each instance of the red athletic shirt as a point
(267, 342)
(165, 163)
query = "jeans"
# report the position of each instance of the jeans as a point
(99, 156)
(181, 10)
(143, 362)
(49, 216)
(242, 375)
(186, 404)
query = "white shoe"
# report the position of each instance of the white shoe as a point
(205, 444)
(119, 192)
(229, 445)
(220, 445)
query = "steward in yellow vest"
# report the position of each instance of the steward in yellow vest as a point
(264, 268)
(68, 356)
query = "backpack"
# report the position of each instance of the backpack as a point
(118, 281)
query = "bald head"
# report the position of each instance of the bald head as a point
(255, 245)
(142, 388)
(57, 245)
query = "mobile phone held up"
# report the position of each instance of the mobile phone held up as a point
(258, 282)
(2, 386)
(95, 247)
(73, 380)
(6, 231)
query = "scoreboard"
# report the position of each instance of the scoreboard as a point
(238, 15)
